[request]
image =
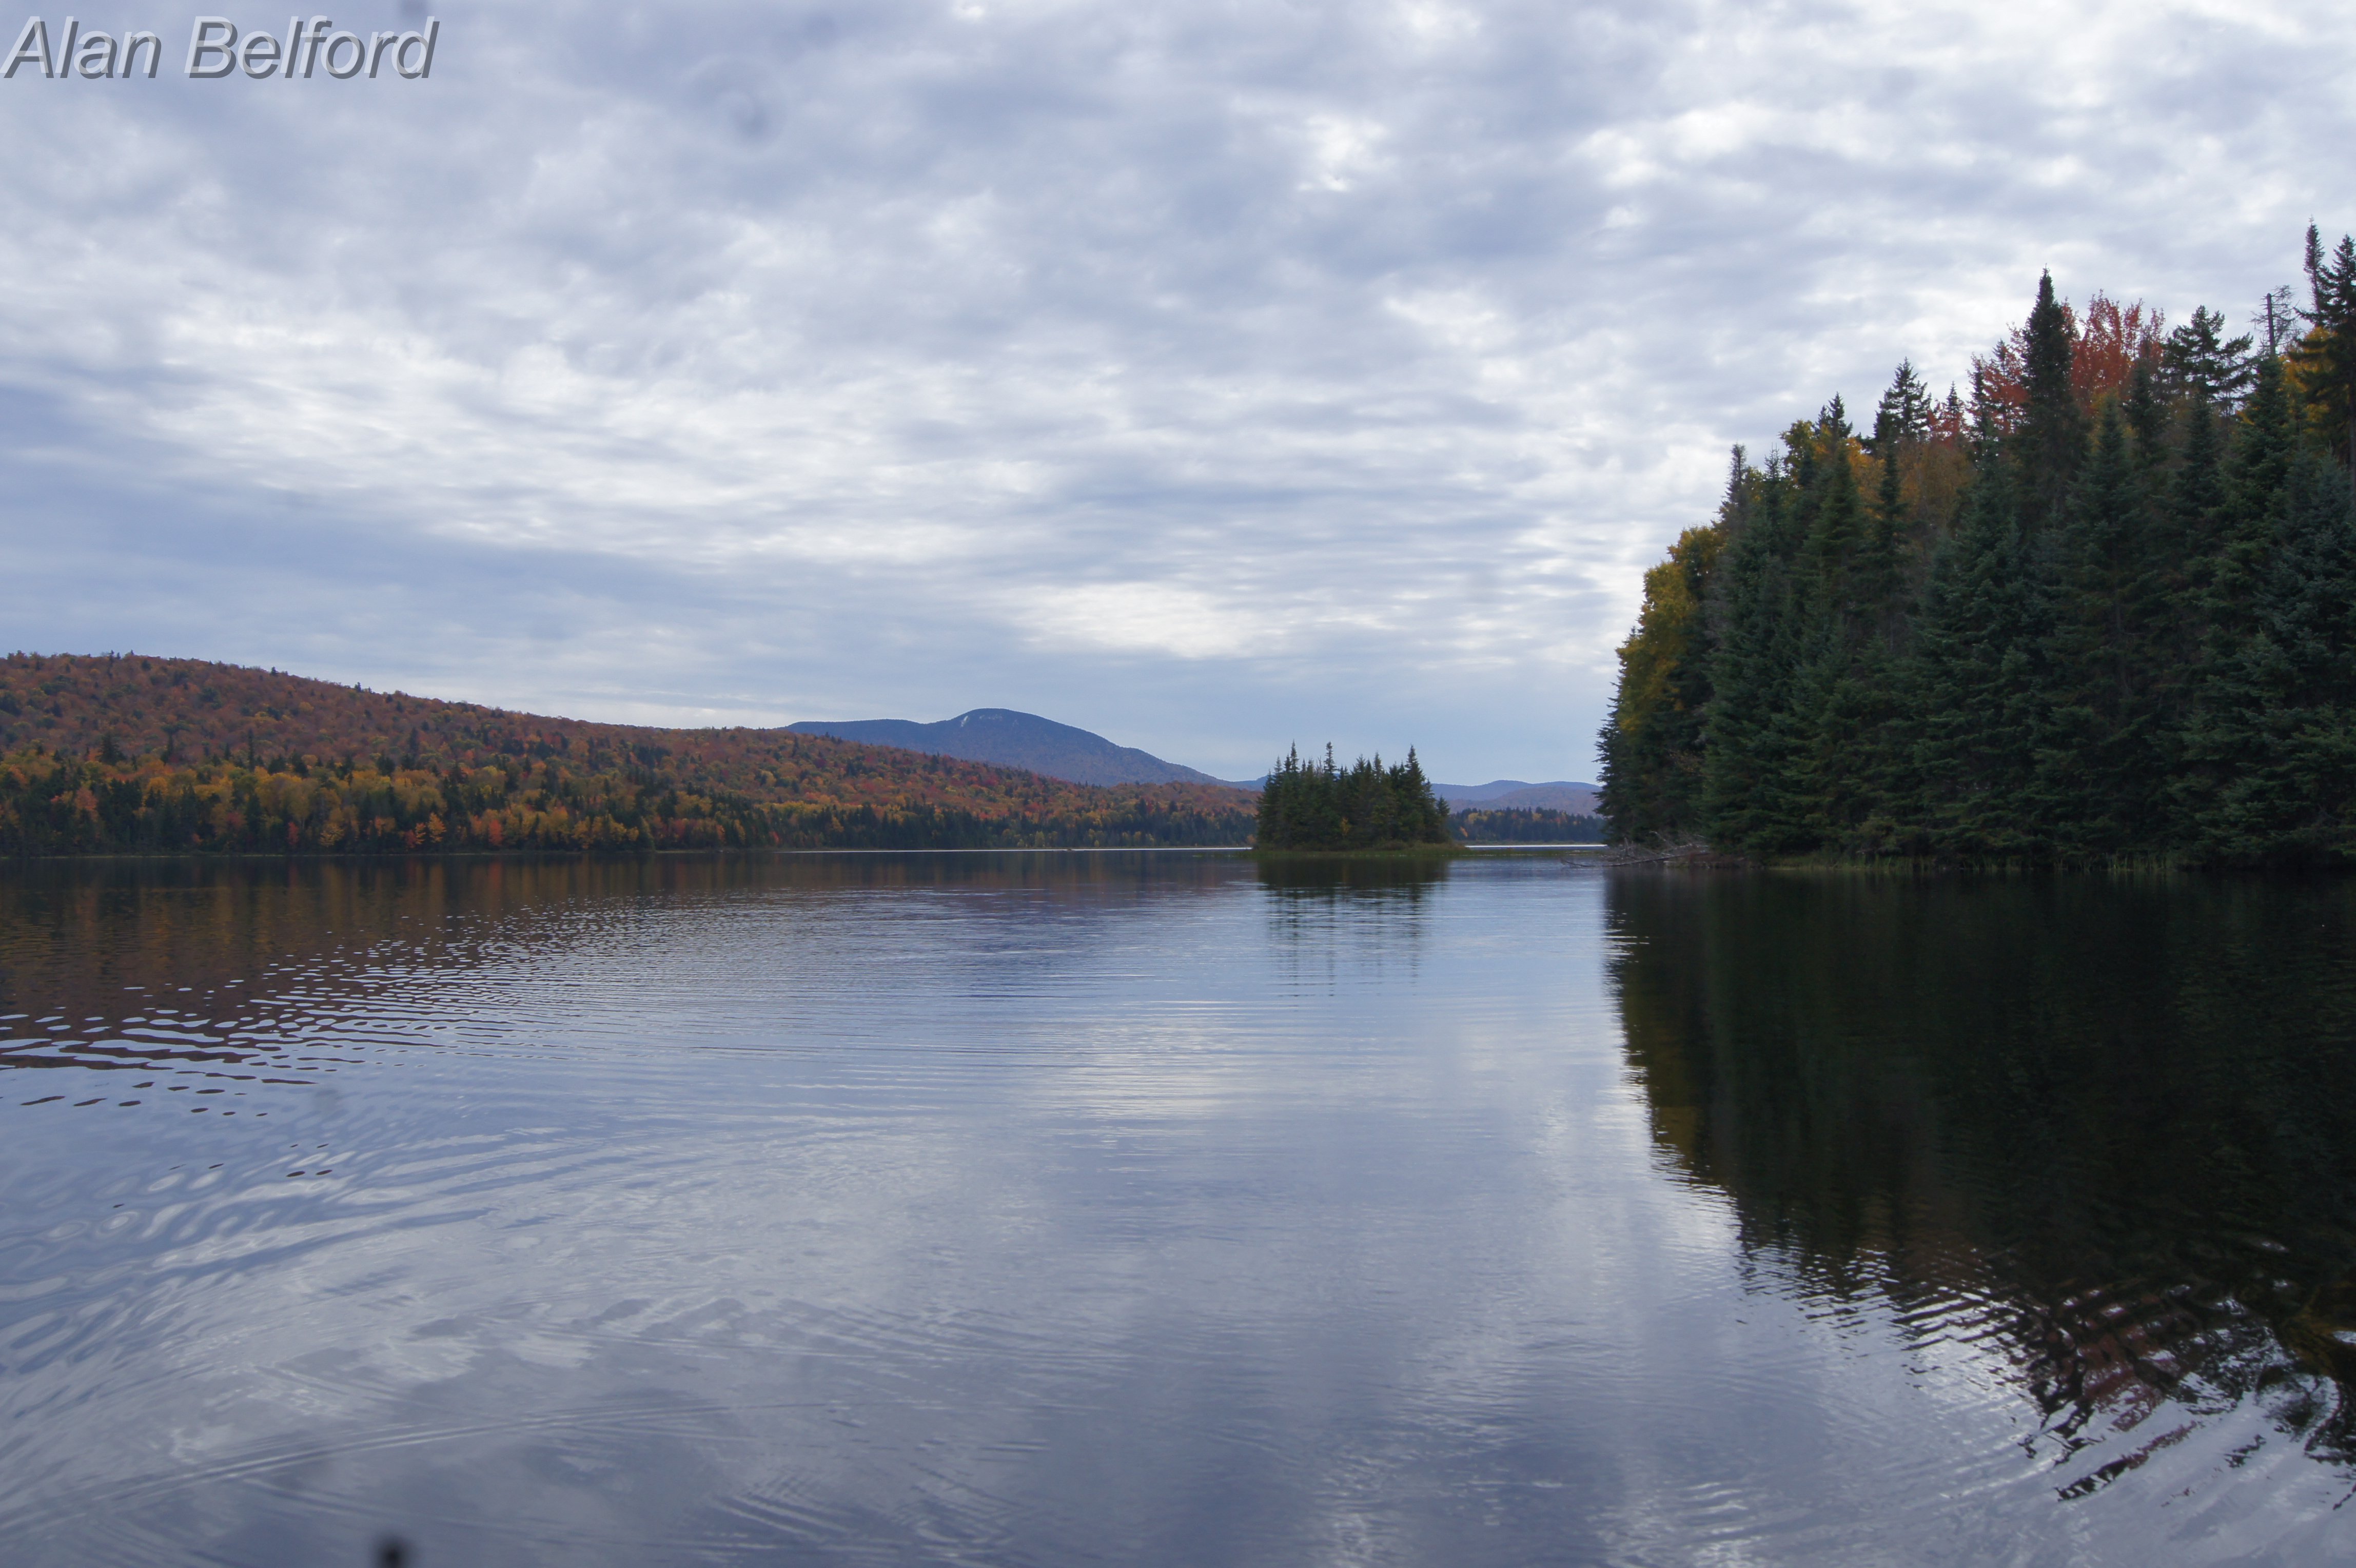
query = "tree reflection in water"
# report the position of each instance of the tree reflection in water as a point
(2105, 1123)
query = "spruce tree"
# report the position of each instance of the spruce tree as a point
(2200, 361)
(1746, 782)
(2051, 442)
(2328, 357)
(2102, 759)
(1903, 415)
(2279, 732)
(1974, 677)
(2035, 646)
(1846, 701)
(2144, 409)
(2218, 733)
(2195, 511)
(2255, 472)
(1900, 428)
(2308, 610)
(1321, 806)
(1836, 521)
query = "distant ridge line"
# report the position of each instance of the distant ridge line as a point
(1515, 795)
(1009, 738)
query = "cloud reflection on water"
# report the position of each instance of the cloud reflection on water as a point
(1009, 1209)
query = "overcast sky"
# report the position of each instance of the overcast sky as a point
(1211, 375)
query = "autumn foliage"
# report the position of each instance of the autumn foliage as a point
(126, 754)
(2108, 340)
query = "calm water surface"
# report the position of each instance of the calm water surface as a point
(1165, 1210)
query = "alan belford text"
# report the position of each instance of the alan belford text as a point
(215, 48)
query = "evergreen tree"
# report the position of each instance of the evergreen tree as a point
(2102, 761)
(1846, 711)
(1974, 683)
(1901, 427)
(1321, 806)
(2255, 475)
(2146, 413)
(2195, 511)
(2328, 357)
(1836, 521)
(2199, 361)
(1904, 413)
(2009, 641)
(1747, 788)
(2052, 440)
(2280, 731)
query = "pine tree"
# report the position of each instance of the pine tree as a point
(1747, 802)
(2195, 511)
(1836, 525)
(2101, 763)
(2010, 641)
(1845, 702)
(2052, 441)
(1901, 427)
(1420, 815)
(2256, 474)
(1321, 806)
(2327, 359)
(1904, 413)
(2146, 413)
(2279, 732)
(2308, 611)
(1975, 679)
(2217, 732)
(2201, 362)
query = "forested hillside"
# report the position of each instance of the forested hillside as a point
(134, 753)
(2103, 606)
(1525, 824)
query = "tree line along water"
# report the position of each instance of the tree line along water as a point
(2102, 608)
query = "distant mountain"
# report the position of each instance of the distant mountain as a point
(1515, 795)
(1009, 739)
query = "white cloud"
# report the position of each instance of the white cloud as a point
(1199, 372)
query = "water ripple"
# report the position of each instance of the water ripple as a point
(1066, 1208)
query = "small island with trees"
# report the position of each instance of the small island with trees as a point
(1321, 807)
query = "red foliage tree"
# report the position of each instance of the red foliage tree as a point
(2106, 340)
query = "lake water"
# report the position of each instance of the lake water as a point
(1167, 1210)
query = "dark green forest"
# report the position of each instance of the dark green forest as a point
(1480, 824)
(1366, 806)
(2101, 607)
